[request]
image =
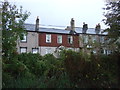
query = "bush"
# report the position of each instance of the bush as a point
(32, 61)
(71, 70)
(98, 71)
(54, 66)
(6, 80)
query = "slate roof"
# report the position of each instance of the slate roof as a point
(31, 27)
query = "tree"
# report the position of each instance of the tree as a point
(13, 27)
(113, 21)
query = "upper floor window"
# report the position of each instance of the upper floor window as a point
(24, 38)
(35, 50)
(23, 49)
(85, 39)
(93, 39)
(70, 39)
(59, 39)
(102, 39)
(48, 38)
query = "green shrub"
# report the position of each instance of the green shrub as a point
(54, 66)
(6, 79)
(71, 70)
(98, 71)
(32, 61)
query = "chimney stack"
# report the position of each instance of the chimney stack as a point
(85, 27)
(37, 24)
(97, 28)
(72, 23)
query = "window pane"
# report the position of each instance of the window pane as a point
(85, 39)
(23, 50)
(93, 39)
(94, 51)
(70, 39)
(35, 50)
(102, 39)
(24, 38)
(48, 38)
(59, 39)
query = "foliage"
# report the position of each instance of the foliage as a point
(33, 62)
(112, 20)
(98, 71)
(21, 82)
(72, 70)
(32, 70)
(13, 27)
(54, 66)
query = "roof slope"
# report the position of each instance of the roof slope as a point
(31, 27)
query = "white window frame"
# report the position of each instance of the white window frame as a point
(48, 38)
(48, 51)
(33, 50)
(93, 39)
(59, 39)
(85, 38)
(23, 49)
(70, 39)
(24, 38)
(102, 39)
(94, 51)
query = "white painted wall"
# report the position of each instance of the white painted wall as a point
(43, 49)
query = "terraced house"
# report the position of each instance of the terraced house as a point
(44, 40)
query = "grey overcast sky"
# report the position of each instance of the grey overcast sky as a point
(60, 12)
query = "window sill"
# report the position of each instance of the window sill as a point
(48, 42)
(23, 41)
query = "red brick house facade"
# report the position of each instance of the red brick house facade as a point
(54, 43)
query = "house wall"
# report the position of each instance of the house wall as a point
(32, 42)
(42, 50)
(54, 45)
(42, 41)
(38, 40)
(96, 47)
